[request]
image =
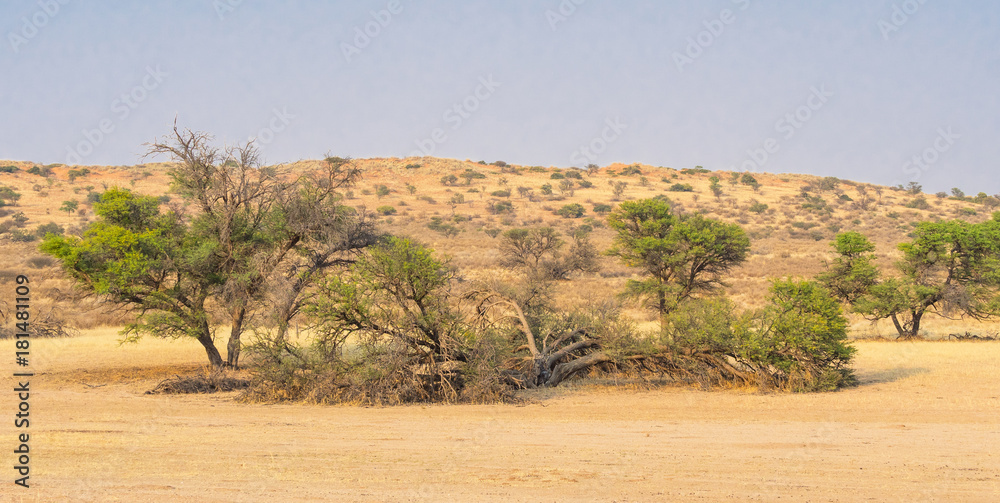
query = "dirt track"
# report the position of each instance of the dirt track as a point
(923, 426)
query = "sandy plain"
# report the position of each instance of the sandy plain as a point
(922, 426)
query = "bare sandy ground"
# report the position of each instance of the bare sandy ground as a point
(923, 426)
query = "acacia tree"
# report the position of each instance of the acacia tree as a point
(950, 268)
(853, 272)
(395, 300)
(682, 255)
(263, 230)
(148, 262)
(329, 235)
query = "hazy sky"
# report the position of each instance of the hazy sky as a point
(877, 91)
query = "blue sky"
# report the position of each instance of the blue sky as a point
(878, 91)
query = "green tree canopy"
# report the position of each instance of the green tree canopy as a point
(951, 268)
(683, 256)
(148, 262)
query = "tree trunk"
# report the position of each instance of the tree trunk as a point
(915, 331)
(233, 347)
(899, 327)
(565, 370)
(205, 338)
(663, 315)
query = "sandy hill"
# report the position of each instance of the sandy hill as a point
(458, 207)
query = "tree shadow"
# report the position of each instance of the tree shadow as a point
(888, 375)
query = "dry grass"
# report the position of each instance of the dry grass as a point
(778, 248)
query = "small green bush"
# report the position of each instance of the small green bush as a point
(602, 209)
(573, 210)
(919, 203)
(386, 210)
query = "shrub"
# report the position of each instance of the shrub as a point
(681, 187)
(437, 225)
(967, 212)
(557, 176)
(757, 207)
(470, 174)
(386, 210)
(602, 209)
(78, 173)
(694, 171)
(412, 166)
(449, 180)
(572, 173)
(803, 334)
(19, 219)
(631, 170)
(573, 210)
(50, 228)
(21, 236)
(797, 342)
(919, 203)
(9, 169)
(8, 196)
(501, 193)
(585, 184)
(498, 207)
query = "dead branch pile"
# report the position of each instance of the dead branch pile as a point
(967, 336)
(199, 384)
